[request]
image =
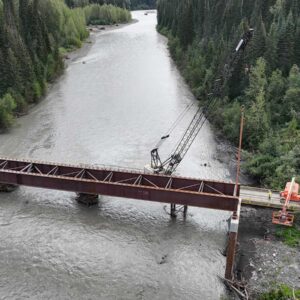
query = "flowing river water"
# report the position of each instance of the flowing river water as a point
(110, 107)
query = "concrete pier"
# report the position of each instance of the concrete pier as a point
(87, 199)
(7, 188)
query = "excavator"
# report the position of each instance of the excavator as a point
(169, 165)
(290, 193)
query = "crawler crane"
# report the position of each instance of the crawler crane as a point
(169, 165)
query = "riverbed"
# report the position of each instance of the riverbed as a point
(110, 107)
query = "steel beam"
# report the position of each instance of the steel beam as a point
(126, 184)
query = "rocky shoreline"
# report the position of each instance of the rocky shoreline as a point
(262, 259)
(73, 55)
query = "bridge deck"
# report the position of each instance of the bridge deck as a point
(119, 183)
(260, 197)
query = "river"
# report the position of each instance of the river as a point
(110, 107)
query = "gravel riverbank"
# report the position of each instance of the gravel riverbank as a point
(262, 258)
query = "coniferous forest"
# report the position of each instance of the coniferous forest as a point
(201, 35)
(129, 4)
(33, 36)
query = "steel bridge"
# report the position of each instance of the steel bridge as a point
(91, 180)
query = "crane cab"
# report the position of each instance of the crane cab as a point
(294, 194)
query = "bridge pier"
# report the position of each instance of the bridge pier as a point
(173, 213)
(232, 240)
(87, 199)
(185, 208)
(7, 188)
(173, 210)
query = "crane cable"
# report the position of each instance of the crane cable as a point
(173, 126)
(209, 107)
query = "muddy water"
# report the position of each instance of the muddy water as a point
(110, 107)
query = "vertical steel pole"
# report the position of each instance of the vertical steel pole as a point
(231, 248)
(232, 240)
(185, 208)
(239, 152)
(173, 210)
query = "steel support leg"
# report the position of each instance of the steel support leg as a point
(173, 210)
(231, 247)
(230, 255)
(185, 208)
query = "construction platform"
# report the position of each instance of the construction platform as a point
(260, 197)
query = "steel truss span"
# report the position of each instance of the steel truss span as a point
(120, 183)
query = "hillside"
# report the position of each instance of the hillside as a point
(33, 37)
(267, 82)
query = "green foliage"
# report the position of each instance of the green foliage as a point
(7, 106)
(143, 4)
(290, 236)
(133, 4)
(292, 95)
(120, 3)
(283, 292)
(266, 81)
(106, 14)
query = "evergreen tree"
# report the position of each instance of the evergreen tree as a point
(258, 81)
(257, 124)
(292, 95)
(185, 24)
(286, 45)
(275, 93)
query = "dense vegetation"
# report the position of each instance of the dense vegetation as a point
(105, 14)
(290, 236)
(82, 3)
(283, 292)
(33, 34)
(143, 4)
(267, 82)
(129, 4)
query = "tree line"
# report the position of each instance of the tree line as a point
(33, 36)
(266, 82)
(128, 4)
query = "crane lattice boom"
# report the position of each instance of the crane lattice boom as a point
(170, 164)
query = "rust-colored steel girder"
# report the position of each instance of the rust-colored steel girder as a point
(120, 183)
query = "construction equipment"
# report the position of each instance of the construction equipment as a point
(283, 217)
(294, 195)
(169, 165)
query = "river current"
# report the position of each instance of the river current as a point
(110, 107)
